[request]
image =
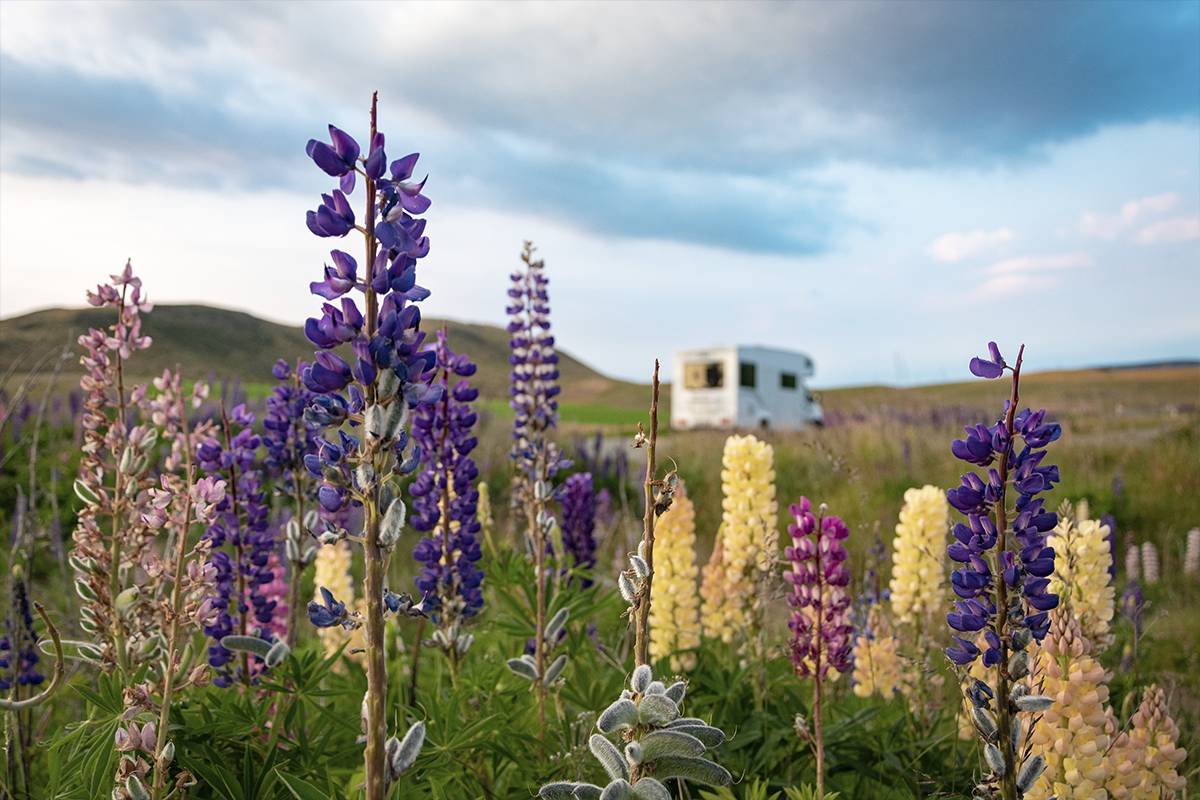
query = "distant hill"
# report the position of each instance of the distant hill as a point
(219, 344)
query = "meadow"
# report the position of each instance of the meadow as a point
(361, 576)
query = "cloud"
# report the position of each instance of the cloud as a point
(698, 126)
(1170, 231)
(954, 247)
(1027, 274)
(1110, 226)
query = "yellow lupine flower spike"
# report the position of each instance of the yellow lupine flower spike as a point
(878, 666)
(1150, 751)
(749, 518)
(1072, 734)
(714, 610)
(675, 613)
(918, 555)
(1081, 578)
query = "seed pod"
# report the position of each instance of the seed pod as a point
(136, 790)
(621, 714)
(1018, 665)
(84, 590)
(149, 440)
(617, 790)
(633, 753)
(650, 789)
(555, 669)
(523, 668)
(247, 644)
(555, 626)
(168, 753)
(364, 476)
(677, 691)
(985, 723)
(392, 524)
(126, 599)
(1030, 771)
(995, 761)
(710, 736)
(85, 493)
(463, 643)
(410, 747)
(278, 652)
(625, 584)
(657, 710)
(609, 757)
(640, 567)
(641, 679)
(669, 742)
(699, 770)
(1034, 702)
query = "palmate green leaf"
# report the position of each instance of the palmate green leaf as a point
(300, 788)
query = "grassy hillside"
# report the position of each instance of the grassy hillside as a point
(217, 344)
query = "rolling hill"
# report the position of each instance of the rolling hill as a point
(218, 344)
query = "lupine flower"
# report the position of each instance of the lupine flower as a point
(332, 571)
(819, 575)
(975, 672)
(1133, 563)
(483, 512)
(241, 543)
(1149, 563)
(1071, 735)
(1081, 577)
(878, 665)
(578, 499)
(445, 498)
(1149, 746)
(749, 534)
(712, 593)
(114, 455)
(534, 385)
(1110, 522)
(18, 647)
(1004, 601)
(918, 560)
(675, 613)
(1026, 570)
(1191, 555)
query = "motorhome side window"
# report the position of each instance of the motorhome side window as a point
(747, 376)
(787, 380)
(704, 375)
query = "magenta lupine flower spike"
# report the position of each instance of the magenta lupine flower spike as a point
(822, 633)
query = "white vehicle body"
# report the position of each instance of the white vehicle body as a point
(742, 387)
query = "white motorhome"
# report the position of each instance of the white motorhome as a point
(742, 387)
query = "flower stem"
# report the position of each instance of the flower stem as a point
(114, 555)
(536, 513)
(373, 555)
(1008, 782)
(160, 768)
(296, 573)
(641, 631)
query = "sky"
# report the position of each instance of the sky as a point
(884, 186)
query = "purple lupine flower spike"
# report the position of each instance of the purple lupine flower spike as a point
(445, 495)
(242, 543)
(822, 633)
(579, 521)
(1025, 562)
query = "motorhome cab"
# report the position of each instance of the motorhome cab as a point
(742, 387)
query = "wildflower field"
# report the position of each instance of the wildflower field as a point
(366, 578)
